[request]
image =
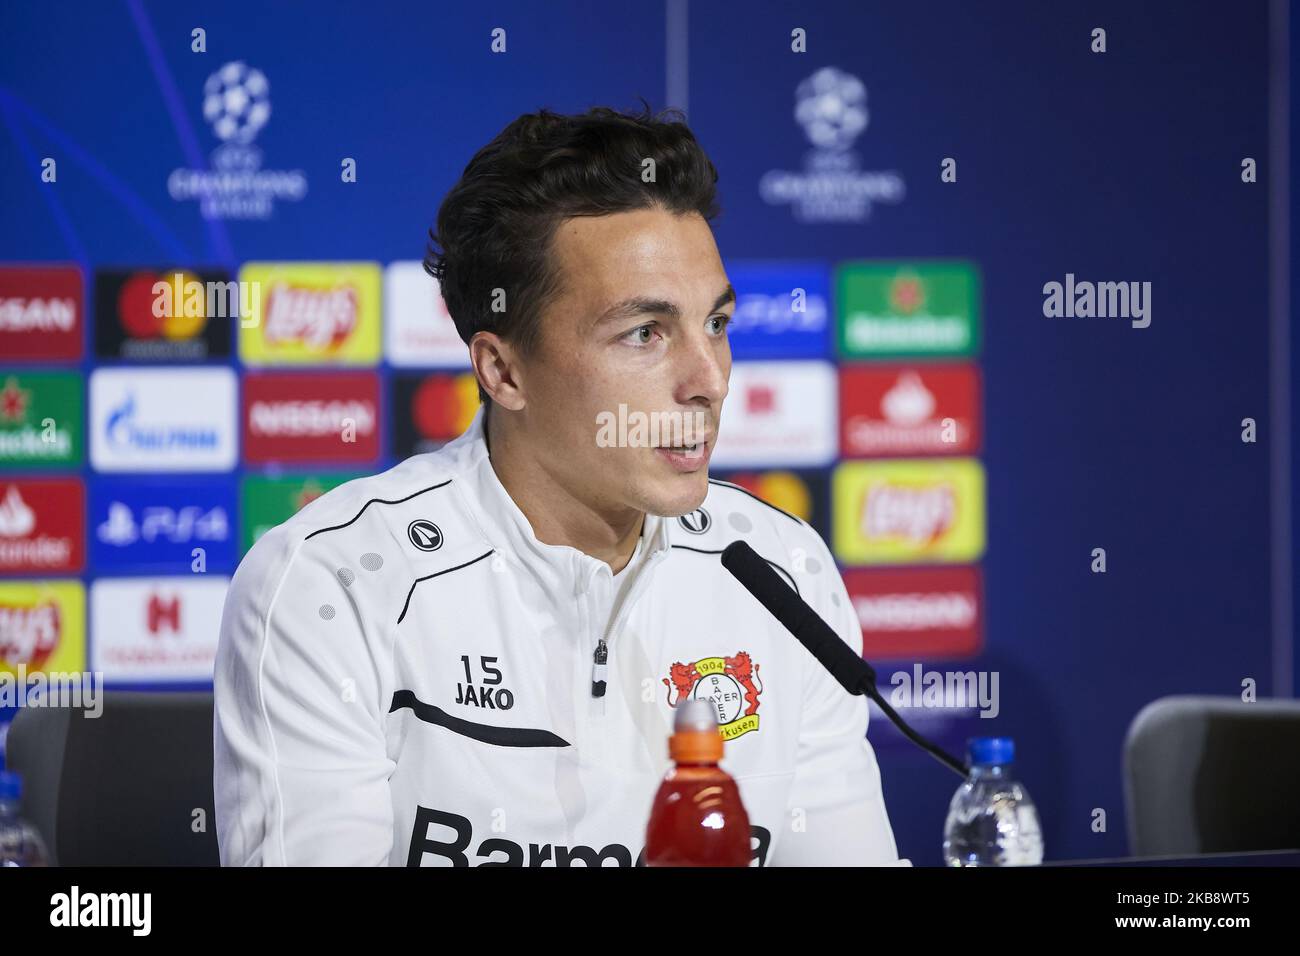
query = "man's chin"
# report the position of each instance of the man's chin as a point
(687, 496)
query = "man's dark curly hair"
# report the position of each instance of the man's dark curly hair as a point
(495, 226)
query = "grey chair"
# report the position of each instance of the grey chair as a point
(1213, 775)
(123, 788)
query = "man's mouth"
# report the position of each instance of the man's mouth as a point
(685, 458)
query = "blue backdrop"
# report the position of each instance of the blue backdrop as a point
(1117, 166)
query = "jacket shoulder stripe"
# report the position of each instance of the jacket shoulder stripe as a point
(380, 501)
(746, 491)
(435, 574)
(784, 573)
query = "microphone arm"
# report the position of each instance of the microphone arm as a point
(854, 674)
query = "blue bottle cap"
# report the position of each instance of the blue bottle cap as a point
(988, 751)
(11, 785)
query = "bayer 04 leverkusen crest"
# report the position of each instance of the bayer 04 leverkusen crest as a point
(731, 684)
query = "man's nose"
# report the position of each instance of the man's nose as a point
(705, 366)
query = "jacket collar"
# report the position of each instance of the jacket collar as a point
(566, 569)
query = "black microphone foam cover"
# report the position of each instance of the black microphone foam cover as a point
(758, 578)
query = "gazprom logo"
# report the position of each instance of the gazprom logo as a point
(125, 430)
(145, 420)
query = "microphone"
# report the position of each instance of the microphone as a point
(853, 673)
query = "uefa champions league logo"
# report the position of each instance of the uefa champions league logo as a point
(236, 102)
(831, 106)
(237, 105)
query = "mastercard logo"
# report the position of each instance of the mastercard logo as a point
(147, 311)
(783, 489)
(444, 405)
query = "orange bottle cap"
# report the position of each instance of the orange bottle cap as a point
(695, 736)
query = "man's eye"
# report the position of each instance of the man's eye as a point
(635, 336)
(724, 319)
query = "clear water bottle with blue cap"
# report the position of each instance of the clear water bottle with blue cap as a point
(992, 820)
(20, 844)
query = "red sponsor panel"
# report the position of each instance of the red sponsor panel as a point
(909, 410)
(42, 525)
(326, 417)
(42, 313)
(913, 613)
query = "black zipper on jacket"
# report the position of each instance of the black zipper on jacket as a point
(599, 660)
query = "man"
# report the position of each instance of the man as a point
(474, 657)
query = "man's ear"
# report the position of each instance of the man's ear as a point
(497, 367)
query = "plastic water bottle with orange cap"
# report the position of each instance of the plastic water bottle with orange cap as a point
(697, 818)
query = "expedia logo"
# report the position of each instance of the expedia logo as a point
(424, 535)
(696, 522)
(500, 852)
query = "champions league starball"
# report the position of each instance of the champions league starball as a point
(236, 101)
(831, 106)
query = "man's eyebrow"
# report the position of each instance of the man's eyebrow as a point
(642, 305)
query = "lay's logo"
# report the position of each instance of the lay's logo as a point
(42, 626)
(312, 314)
(909, 512)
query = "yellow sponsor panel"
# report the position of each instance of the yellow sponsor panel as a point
(908, 511)
(311, 313)
(42, 626)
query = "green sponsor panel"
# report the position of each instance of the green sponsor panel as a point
(266, 502)
(890, 309)
(41, 420)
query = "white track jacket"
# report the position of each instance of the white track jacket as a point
(407, 676)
